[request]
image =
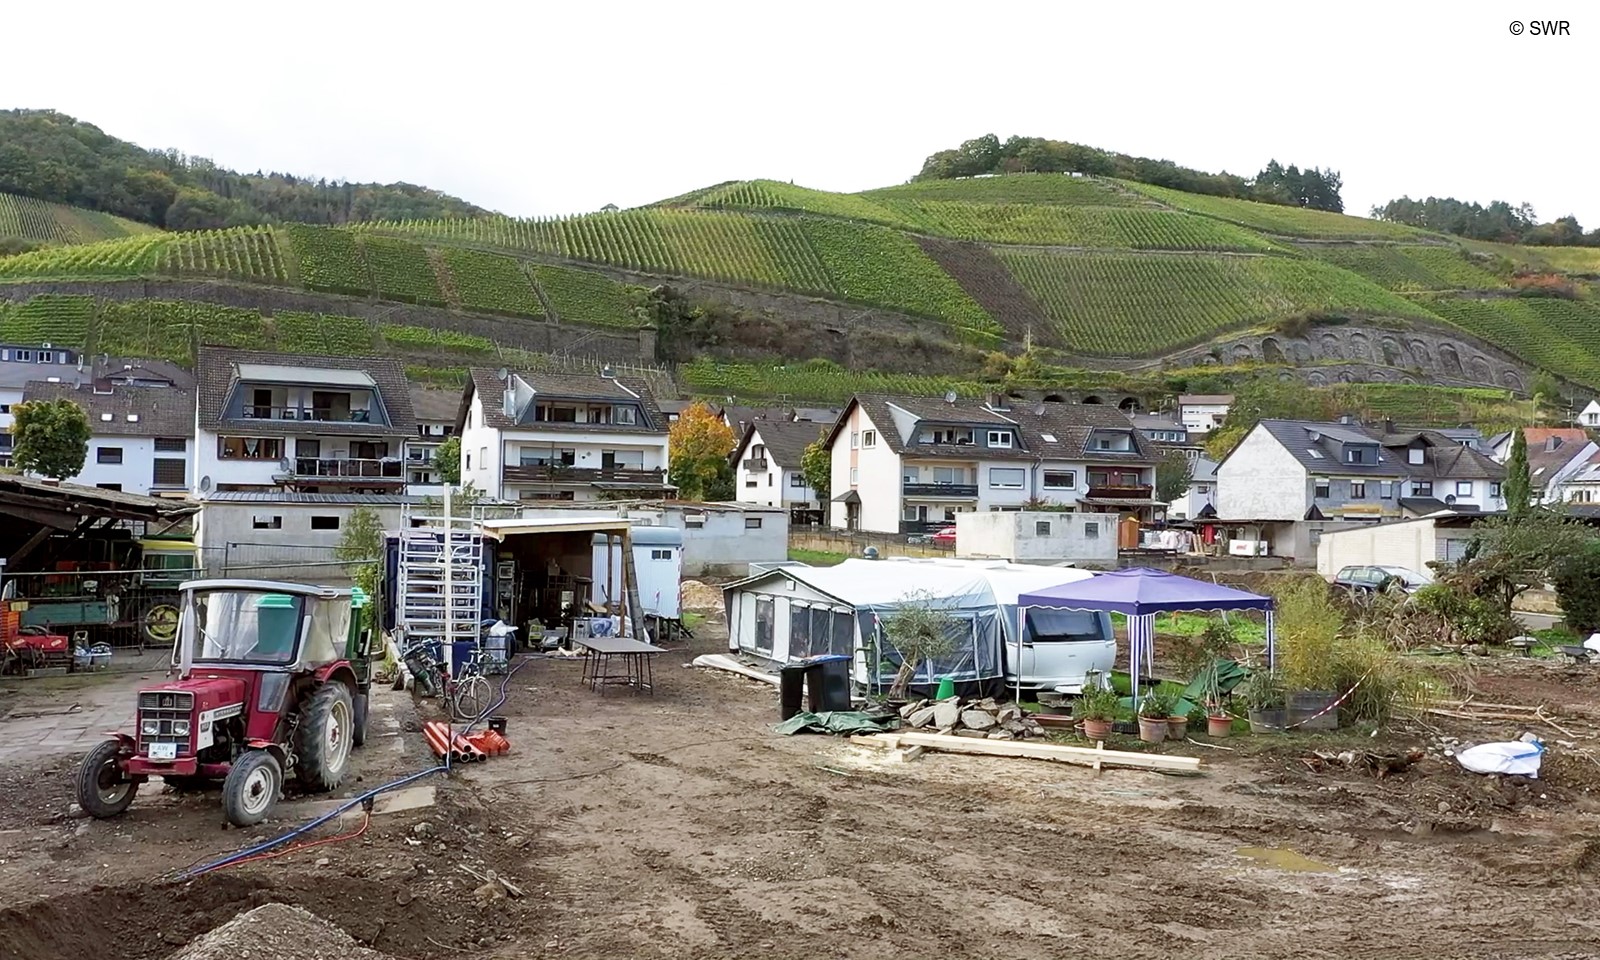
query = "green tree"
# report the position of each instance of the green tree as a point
(698, 446)
(920, 629)
(1173, 474)
(1577, 582)
(816, 465)
(447, 460)
(360, 547)
(1518, 485)
(49, 437)
(1513, 553)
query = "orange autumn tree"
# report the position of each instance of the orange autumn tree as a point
(698, 446)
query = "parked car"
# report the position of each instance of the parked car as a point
(1380, 578)
(945, 535)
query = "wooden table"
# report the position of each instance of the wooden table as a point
(637, 666)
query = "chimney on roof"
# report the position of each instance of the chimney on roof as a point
(606, 373)
(1346, 419)
(1388, 425)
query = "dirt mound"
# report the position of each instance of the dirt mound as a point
(701, 596)
(279, 931)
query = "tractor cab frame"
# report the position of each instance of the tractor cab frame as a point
(271, 679)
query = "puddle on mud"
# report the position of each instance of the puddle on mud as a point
(1282, 858)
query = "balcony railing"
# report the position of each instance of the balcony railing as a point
(1121, 492)
(252, 411)
(357, 469)
(756, 465)
(965, 491)
(559, 474)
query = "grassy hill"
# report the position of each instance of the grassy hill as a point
(25, 218)
(1089, 267)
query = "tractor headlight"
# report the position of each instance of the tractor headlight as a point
(180, 728)
(149, 728)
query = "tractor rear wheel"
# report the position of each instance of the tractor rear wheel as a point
(252, 788)
(103, 789)
(359, 703)
(324, 736)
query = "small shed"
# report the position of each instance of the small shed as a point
(793, 612)
(657, 562)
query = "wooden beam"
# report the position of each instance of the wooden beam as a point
(38, 537)
(50, 518)
(1085, 756)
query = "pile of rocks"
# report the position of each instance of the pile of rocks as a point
(971, 718)
(280, 932)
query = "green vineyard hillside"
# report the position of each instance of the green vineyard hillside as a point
(53, 223)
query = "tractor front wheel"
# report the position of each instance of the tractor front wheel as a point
(158, 623)
(103, 789)
(252, 788)
(324, 736)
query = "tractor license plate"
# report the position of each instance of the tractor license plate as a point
(163, 751)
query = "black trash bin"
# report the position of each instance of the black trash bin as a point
(824, 681)
(791, 684)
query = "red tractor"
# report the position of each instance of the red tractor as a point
(272, 680)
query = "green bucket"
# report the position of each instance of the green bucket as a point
(947, 689)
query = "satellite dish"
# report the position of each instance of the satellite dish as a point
(502, 373)
(205, 484)
(949, 396)
(1450, 498)
(870, 553)
(1038, 410)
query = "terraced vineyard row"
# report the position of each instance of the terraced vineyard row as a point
(1138, 304)
(589, 297)
(491, 283)
(1407, 403)
(329, 259)
(772, 195)
(56, 319)
(817, 380)
(401, 270)
(1561, 336)
(247, 253)
(1030, 188)
(1278, 220)
(170, 329)
(1410, 268)
(47, 222)
(132, 257)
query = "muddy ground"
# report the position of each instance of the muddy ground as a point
(677, 826)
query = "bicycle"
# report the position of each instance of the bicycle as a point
(467, 694)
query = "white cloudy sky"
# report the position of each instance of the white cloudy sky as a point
(554, 108)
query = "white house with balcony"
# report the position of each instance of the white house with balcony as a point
(910, 465)
(141, 438)
(766, 466)
(1203, 412)
(21, 365)
(435, 410)
(283, 422)
(561, 436)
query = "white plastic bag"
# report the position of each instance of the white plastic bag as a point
(1516, 757)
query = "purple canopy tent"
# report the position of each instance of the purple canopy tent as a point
(1140, 593)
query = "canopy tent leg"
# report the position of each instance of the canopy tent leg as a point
(1021, 619)
(1272, 641)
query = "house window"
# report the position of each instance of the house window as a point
(531, 456)
(1041, 528)
(110, 486)
(660, 554)
(483, 456)
(1060, 479)
(1091, 530)
(913, 514)
(949, 475)
(624, 416)
(1494, 490)
(263, 522)
(752, 523)
(468, 464)
(1202, 488)
(1007, 478)
(1414, 456)
(171, 444)
(869, 438)
(1386, 489)
(324, 523)
(168, 472)
(855, 440)
(1422, 488)
(250, 448)
(854, 474)
(1463, 488)
(108, 455)
(1358, 489)
(797, 480)
(1355, 455)
(750, 482)
(1314, 454)
(1322, 491)
(1104, 444)
(622, 459)
(999, 438)
(769, 479)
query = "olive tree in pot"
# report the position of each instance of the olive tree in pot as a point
(921, 630)
(1155, 710)
(1097, 708)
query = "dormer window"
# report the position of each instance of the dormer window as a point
(1355, 455)
(1414, 456)
(1000, 438)
(624, 416)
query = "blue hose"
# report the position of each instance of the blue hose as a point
(353, 802)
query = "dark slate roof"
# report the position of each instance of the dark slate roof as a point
(1156, 421)
(215, 366)
(823, 415)
(560, 386)
(111, 368)
(14, 373)
(1206, 399)
(1422, 505)
(785, 441)
(1452, 461)
(1047, 430)
(161, 411)
(1550, 449)
(1296, 436)
(432, 405)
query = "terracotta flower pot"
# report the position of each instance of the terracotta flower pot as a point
(1219, 726)
(1152, 729)
(1097, 729)
(1177, 727)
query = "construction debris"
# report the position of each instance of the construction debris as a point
(1095, 757)
(694, 595)
(1380, 765)
(717, 661)
(281, 932)
(972, 718)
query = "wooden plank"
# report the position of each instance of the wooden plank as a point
(1087, 756)
(719, 662)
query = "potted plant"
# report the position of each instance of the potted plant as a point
(1154, 712)
(1178, 726)
(1268, 712)
(1219, 723)
(1097, 708)
(922, 631)
(1309, 638)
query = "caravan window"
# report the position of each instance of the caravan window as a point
(1064, 626)
(815, 631)
(764, 624)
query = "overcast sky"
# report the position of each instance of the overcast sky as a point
(559, 108)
